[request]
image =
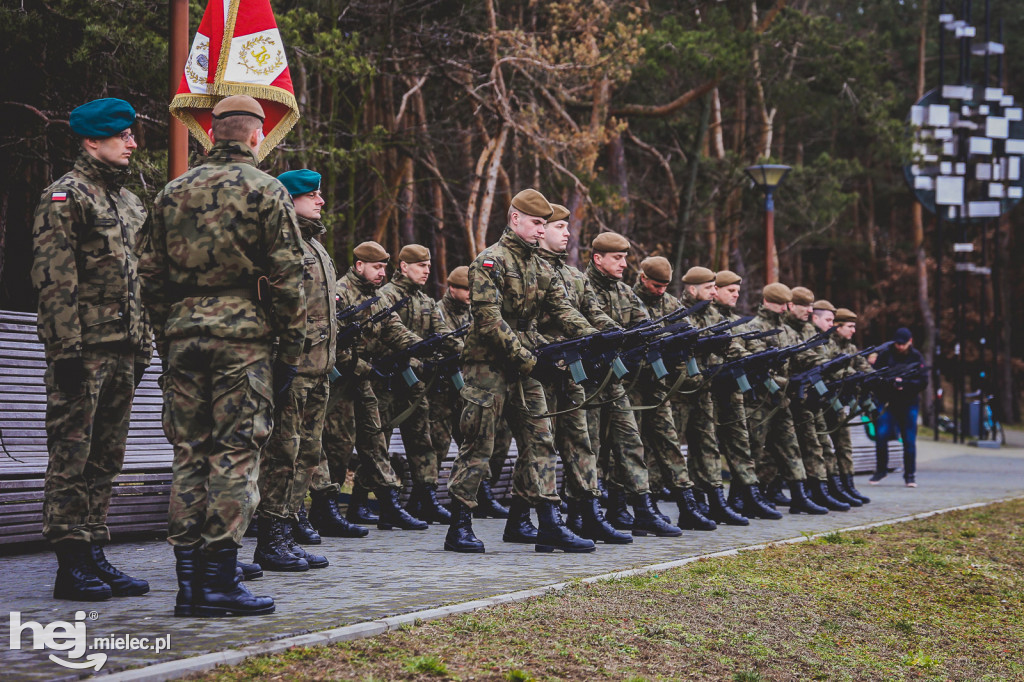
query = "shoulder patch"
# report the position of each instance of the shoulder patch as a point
(487, 263)
(59, 196)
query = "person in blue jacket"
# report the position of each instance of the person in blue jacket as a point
(899, 418)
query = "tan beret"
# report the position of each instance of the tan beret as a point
(777, 292)
(459, 277)
(370, 252)
(559, 213)
(238, 105)
(698, 275)
(802, 296)
(532, 202)
(823, 305)
(414, 253)
(609, 242)
(845, 315)
(657, 268)
(726, 277)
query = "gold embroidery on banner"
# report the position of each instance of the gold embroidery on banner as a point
(254, 56)
(199, 59)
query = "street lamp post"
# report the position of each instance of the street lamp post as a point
(767, 177)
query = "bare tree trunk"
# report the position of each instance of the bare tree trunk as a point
(488, 197)
(1007, 391)
(620, 179)
(407, 204)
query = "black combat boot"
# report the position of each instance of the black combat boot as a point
(735, 498)
(487, 507)
(324, 515)
(701, 500)
(593, 525)
(754, 504)
(574, 519)
(121, 584)
(838, 491)
(721, 512)
(552, 533)
(426, 505)
(801, 503)
(221, 593)
(272, 550)
(819, 493)
(851, 489)
(187, 562)
(250, 571)
(76, 576)
(690, 517)
(774, 493)
(392, 515)
(602, 498)
(253, 529)
(359, 506)
(302, 531)
(647, 520)
(618, 513)
(519, 528)
(460, 537)
(314, 560)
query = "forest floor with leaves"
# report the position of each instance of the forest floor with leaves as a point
(936, 599)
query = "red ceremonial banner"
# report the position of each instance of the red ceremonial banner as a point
(237, 51)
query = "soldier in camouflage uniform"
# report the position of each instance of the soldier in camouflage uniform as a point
(772, 436)
(98, 344)
(222, 275)
(421, 315)
(293, 450)
(510, 287)
(613, 426)
(809, 421)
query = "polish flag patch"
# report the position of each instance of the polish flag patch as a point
(59, 196)
(488, 263)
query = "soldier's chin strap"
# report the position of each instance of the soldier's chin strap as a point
(586, 402)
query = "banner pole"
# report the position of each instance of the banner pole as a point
(177, 133)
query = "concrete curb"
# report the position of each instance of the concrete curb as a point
(186, 666)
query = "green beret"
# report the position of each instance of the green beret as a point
(802, 296)
(102, 118)
(532, 202)
(370, 252)
(777, 292)
(300, 181)
(238, 105)
(559, 213)
(823, 305)
(609, 242)
(725, 278)
(413, 253)
(698, 275)
(845, 315)
(657, 269)
(459, 277)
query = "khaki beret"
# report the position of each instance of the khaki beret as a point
(414, 253)
(238, 105)
(609, 242)
(726, 277)
(370, 252)
(845, 315)
(559, 213)
(777, 292)
(459, 277)
(802, 296)
(698, 275)
(532, 202)
(657, 268)
(823, 305)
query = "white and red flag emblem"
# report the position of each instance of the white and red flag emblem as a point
(237, 51)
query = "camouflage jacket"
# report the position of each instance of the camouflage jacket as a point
(837, 346)
(657, 306)
(805, 329)
(766, 320)
(709, 316)
(213, 233)
(509, 288)
(422, 315)
(454, 312)
(579, 292)
(615, 298)
(384, 338)
(320, 287)
(85, 263)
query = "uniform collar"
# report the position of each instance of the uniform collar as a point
(404, 284)
(232, 151)
(647, 297)
(454, 303)
(606, 282)
(517, 244)
(112, 177)
(359, 283)
(556, 259)
(311, 228)
(796, 323)
(770, 315)
(686, 299)
(726, 310)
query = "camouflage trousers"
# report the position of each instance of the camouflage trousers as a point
(572, 440)
(393, 398)
(445, 409)
(85, 439)
(218, 414)
(615, 435)
(733, 439)
(806, 423)
(663, 453)
(293, 452)
(841, 459)
(773, 441)
(695, 420)
(487, 392)
(338, 442)
(359, 423)
(502, 447)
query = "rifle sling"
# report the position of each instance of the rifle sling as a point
(586, 402)
(407, 412)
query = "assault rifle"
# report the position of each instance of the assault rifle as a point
(815, 378)
(682, 344)
(399, 362)
(449, 366)
(349, 334)
(760, 366)
(729, 376)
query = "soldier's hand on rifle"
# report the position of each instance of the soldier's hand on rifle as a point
(69, 374)
(283, 376)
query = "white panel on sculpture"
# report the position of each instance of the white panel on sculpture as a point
(993, 94)
(918, 115)
(1006, 100)
(945, 18)
(960, 169)
(919, 149)
(980, 145)
(949, 190)
(996, 190)
(1015, 193)
(983, 109)
(983, 171)
(966, 32)
(1013, 169)
(965, 110)
(957, 92)
(1014, 114)
(1015, 146)
(924, 182)
(938, 115)
(931, 158)
(946, 167)
(949, 148)
(997, 171)
(997, 127)
(943, 133)
(983, 209)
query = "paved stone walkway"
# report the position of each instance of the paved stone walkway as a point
(390, 573)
